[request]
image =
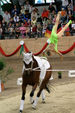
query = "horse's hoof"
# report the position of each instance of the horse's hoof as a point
(43, 101)
(34, 107)
(20, 111)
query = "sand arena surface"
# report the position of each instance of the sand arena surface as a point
(60, 100)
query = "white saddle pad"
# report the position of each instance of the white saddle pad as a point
(43, 64)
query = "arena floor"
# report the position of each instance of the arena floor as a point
(60, 100)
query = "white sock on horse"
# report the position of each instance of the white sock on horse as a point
(43, 95)
(35, 102)
(31, 100)
(22, 105)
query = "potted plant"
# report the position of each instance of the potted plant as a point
(59, 74)
(4, 73)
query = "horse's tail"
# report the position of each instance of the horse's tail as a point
(47, 89)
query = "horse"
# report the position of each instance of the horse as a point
(32, 74)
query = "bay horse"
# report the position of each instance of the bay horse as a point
(34, 73)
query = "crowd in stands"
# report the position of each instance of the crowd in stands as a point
(27, 22)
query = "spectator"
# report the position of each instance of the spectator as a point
(27, 7)
(49, 21)
(69, 12)
(1, 30)
(70, 5)
(73, 28)
(34, 14)
(63, 15)
(65, 4)
(11, 20)
(34, 31)
(1, 18)
(74, 13)
(33, 21)
(52, 14)
(15, 11)
(6, 16)
(44, 26)
(17, 30)
(16, 18)
(39, 29)
(10, 30)
(22, 10)
(26, 23)
(4, 27)
(45, 13)
(54, 19)
(34, 27)
(27, 14)
(21, 2)
(51, 8)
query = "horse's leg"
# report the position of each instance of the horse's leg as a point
(23, 98)
(43, 96)
(43, 86)
(36, 100)
(42, 93)
(32, 93)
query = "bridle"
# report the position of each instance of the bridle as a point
(31, 68)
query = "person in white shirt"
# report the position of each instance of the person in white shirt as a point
(65, 3)
(6, 16)
(27, 7)
(16, 18)
(34, 14)
(73, 28)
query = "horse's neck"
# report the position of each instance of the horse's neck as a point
(35, 64)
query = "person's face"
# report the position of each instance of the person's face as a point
(15, 15)
(22, 7)
(10, 25)
(15, 7)
(27, 2)
(6, 12)
(16, 24)
(44, 9)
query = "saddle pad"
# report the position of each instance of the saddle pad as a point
(43, 64)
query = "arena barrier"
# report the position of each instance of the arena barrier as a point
(71, 73)
(19, 81)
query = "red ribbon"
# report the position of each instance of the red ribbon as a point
(3, 53)
(27, 50)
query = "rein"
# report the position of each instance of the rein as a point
(33, 69)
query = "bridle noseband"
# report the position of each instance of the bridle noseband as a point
(27, 69)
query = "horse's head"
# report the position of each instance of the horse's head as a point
(28, 60)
